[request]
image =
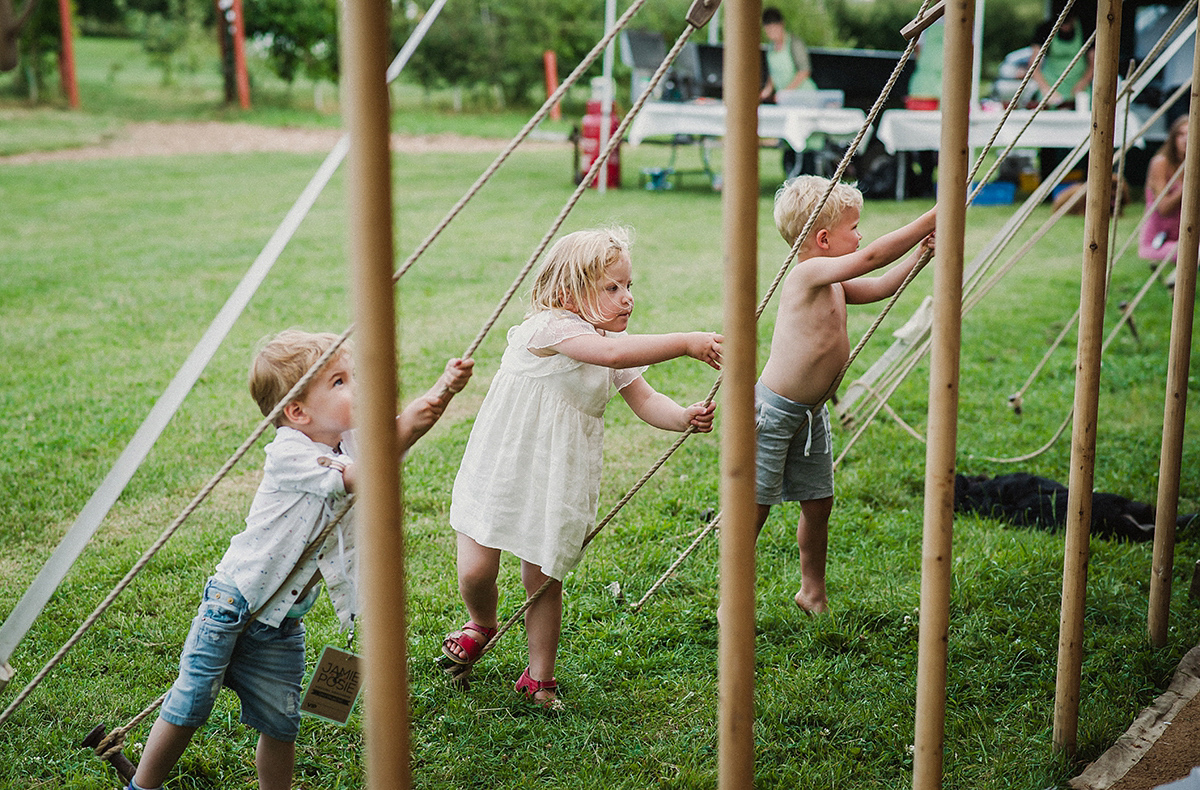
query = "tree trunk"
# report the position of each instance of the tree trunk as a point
(11, 24)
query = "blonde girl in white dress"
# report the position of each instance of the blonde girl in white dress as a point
(530, 476)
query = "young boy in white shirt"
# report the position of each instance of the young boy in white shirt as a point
(309, 469)
(809, 348)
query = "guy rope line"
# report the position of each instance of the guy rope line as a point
(1017, 398)
(103, 606)
(525, 131)
(324, 358)
(972, 285)
(112, 743)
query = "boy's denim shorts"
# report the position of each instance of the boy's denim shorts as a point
(794, 454)
(263, 665)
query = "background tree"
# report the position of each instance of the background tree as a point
(1007, 24)
(300, 36)
(12, 22)
(40, 42)
(499, 43)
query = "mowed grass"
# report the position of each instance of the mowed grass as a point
(113, 269)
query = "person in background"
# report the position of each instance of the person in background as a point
(924, 92)
(1078, 80)
(1063, 47)
(788, 68)
(1159, 238)
(788, 64)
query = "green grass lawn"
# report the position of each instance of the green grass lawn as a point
(113, 269)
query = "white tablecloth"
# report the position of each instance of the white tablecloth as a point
(920, 130)
(707, 119)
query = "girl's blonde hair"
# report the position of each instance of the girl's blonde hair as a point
(283, 360)
(572, 274)
(797, 199)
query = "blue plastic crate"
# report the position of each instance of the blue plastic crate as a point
(997, 193)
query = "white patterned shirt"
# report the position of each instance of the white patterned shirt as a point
(296, 499)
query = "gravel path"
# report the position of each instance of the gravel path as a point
(213, 137)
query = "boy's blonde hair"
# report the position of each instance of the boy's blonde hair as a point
(798, 197)
(573, 270)
(283, 360)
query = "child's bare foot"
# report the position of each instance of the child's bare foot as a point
(811, 603)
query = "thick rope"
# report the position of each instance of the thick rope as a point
(613, 142)
(977, 292)
(526, 130)
(115, 740)
(1035, 453)
(679, 561)
(267, 422)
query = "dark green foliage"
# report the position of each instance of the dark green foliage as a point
(302, 36)
(477, 43)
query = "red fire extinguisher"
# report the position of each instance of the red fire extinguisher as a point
(593, 121)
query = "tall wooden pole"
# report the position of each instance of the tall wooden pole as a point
(953, 164)
(66, 57)
(1087, 376)
(741, 195)
(241, 75)
(364, 61)
(1175, 410)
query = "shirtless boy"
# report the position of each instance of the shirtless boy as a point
(808, 350)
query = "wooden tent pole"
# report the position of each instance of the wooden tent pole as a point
(364, 60)
(953, 171)
(1087, 376)
(241, 75)
(66, 55)
(1175, 409)
(741, 195)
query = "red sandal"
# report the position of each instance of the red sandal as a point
(469, 645)
(529, 687)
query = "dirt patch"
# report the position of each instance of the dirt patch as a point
(1172, 756)
(155, 138)
(1163, 743)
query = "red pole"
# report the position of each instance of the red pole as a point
(550, 62)
(66, 57)
(239, 56)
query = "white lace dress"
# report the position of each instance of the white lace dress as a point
(529, 482)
